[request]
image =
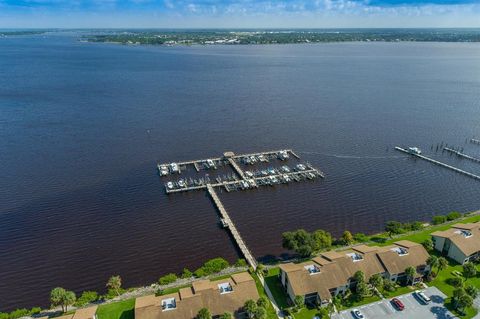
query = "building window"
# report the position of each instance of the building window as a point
(225, 288)
(169, 304)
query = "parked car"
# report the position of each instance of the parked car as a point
(357, 314)
(398, 304)
(422, 296)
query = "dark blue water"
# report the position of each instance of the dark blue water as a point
(83, 125)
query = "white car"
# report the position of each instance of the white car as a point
(357, 314)
(422, 296)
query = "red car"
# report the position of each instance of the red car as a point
(398, 304)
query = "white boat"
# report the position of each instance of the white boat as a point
(244, 184)
(163, 170)
(248, 174)
(301, 167)
(285, 169)
(169, 185)
(414, 150)
(286, 178)
(262, 158)
(210, 163)
(174, 168)
(224, 223)
(181, 183)
(283, 155)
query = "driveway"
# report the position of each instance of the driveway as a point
(414, 309)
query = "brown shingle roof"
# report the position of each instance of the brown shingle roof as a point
(467, 245)
(206, 294)
(395, 264)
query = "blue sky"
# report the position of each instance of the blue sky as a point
(240, 13)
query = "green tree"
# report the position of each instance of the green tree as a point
(299, 241)
(241, 263)
(469, 270)
(428, 244)
(250, 307)
(262, 302)
(442, 263)
(456, 282)
(299, 302)
(260, 313)
(226, 315)
(416, 226)
(86, 298)
(260, 268)
(361, 290)
(359, 276)
(394, 228)
(321, 240)
(347, 238)
(167, 279)
(453, 215)
(410, 272)
(440, 219)
(115, 283)
(388, 285)
(376, 281)
(432, 261)
(215, 265)
(464, 302)
(69, 299)
(472, 291)
(456, 295)
(186, 273)
(57, 296)
(204, 313)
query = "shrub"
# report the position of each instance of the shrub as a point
(167, 279)
(394, 228)
(456, 282)
(241, 263)
(19, 313)
(416, 226)
(453, 215)
(3, 315)
(440, 219)
(215, 265)
(186, 274)
(86, 298)
(200, 272)
(35, 310)
(389, 285)
(428, 244)
(360, 237)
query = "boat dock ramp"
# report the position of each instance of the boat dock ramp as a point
(416, 152)
(460, 154)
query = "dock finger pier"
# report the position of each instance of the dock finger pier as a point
(261, 171)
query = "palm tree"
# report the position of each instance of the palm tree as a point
(410, 272)
(115, 283)
(442, 263)
(204, 313)
(432, 261)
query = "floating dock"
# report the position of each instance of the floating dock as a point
(460, 154)
(231, 226)
(474, 141)
(428, 159)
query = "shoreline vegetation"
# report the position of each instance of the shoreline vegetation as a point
(251, 37)
(305, 244)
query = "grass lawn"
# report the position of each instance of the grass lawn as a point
(351, 302)
(421, 236)
(399, 291)
(271, 314)
(117, 310)
(306, 313)
(276, 288)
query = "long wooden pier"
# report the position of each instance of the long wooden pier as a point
(231, 226)
(458, 170)
(460, 154)
(237, 168)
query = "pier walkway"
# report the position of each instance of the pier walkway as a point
(236, 235)
(237, 168)
(428, 159)
(460, 154)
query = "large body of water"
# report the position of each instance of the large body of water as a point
(83, 125)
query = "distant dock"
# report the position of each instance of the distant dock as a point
(475, 141)
(462, 155)
(431, 160)
(240, 179)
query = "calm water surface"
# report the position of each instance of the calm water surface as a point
(83, 125)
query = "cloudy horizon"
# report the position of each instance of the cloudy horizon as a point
(239, 14)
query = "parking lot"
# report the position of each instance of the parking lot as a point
(414, 308)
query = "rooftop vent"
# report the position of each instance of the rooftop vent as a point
(355, 257)
(169, 304)
(465, 233)
(401, 251)
(312, 269)
(225, 288)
